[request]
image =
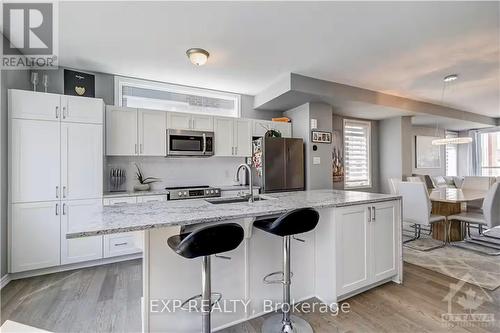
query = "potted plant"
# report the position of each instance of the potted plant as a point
(144, 182)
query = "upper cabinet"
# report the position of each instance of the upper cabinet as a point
(121, 131)
(135, 132)
(260, 127)
(188, 121)
(81, 109)
(24, 104)
(233, 137)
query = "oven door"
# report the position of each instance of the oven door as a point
(189, 143)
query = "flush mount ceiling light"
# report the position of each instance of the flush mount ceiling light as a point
(198, 56)
(451, 77)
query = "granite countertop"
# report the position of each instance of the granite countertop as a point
(164, 192)
(143, 216)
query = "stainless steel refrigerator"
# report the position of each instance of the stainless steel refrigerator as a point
(278, 164)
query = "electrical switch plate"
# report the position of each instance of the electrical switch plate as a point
(316, 160)
(314, 123)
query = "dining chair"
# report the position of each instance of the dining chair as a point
(414, 180)
(489, 218)
(476, 183)
(393, 185)
(417, 208)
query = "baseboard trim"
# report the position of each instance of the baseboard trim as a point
(4, 280)
(62, 268)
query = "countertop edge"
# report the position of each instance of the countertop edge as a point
(218, 219)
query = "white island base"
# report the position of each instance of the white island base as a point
(352, 249)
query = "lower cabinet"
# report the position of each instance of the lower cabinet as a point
(74, 213)
(35, 235)
(126, 242)
(365, 244)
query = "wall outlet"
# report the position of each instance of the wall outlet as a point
(316, 160)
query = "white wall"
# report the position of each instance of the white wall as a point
(213, 171)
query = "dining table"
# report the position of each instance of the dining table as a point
(450, 201)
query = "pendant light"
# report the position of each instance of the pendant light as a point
(450, 141)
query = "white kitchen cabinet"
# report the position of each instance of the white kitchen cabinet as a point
(243, 137)
(81, 109)
(121, 131)
(35, 160)
(27, 104)
(352, 237)
(81, 161)
(202, 123)
(233, 137)
(365, 245)
(384, 228)
(189, 121)
(74, 213)
(35, 235)
(152, 133)
(223, 131)
(125, 242)
(260, 127)
(151, 198)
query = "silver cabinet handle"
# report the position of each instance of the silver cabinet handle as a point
(57, 112)
(57, 192)
(121, 244)
(57, 209)
(135, 148)
(369, 214)
(204, 143)
(141, 149)
(64, 112)
(64, 191)
(64, 209)
(193, 123)
(235, 150)
(373, 211)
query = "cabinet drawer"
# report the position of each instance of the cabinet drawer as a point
(151, 198)
(122, 244)
(119, 201)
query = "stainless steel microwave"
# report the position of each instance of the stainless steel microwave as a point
(190, 143)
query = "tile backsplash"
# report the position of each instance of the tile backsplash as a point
(213, 171)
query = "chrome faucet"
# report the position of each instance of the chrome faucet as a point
(250, 178)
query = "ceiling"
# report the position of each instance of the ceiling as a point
(401, 48)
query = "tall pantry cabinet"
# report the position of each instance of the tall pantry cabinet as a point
(55, 177)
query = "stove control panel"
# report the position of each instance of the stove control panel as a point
(193, 193)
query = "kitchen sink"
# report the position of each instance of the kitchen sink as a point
(219, 201)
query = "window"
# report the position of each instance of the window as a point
(489, 153)
(357, 154)
(451, 156)
(169, 97)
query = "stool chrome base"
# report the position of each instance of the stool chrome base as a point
(274, 324)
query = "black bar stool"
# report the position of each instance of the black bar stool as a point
(205, 242)
(294, 222)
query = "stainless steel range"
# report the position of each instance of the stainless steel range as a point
(192, 192)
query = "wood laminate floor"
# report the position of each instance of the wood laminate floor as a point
(108, 298)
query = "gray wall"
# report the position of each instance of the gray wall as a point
(338, 127)
(15, 79)
(391, 159)
(104, 88)
(317, 176)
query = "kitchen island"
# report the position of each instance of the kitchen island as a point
(355, 246)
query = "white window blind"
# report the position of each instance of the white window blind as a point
(145, 94)
(451, 158)
(357, 153)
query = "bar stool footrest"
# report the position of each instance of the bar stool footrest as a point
(215, 298)
(267, 279)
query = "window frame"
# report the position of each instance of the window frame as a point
(368, 149)
(121, 81)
